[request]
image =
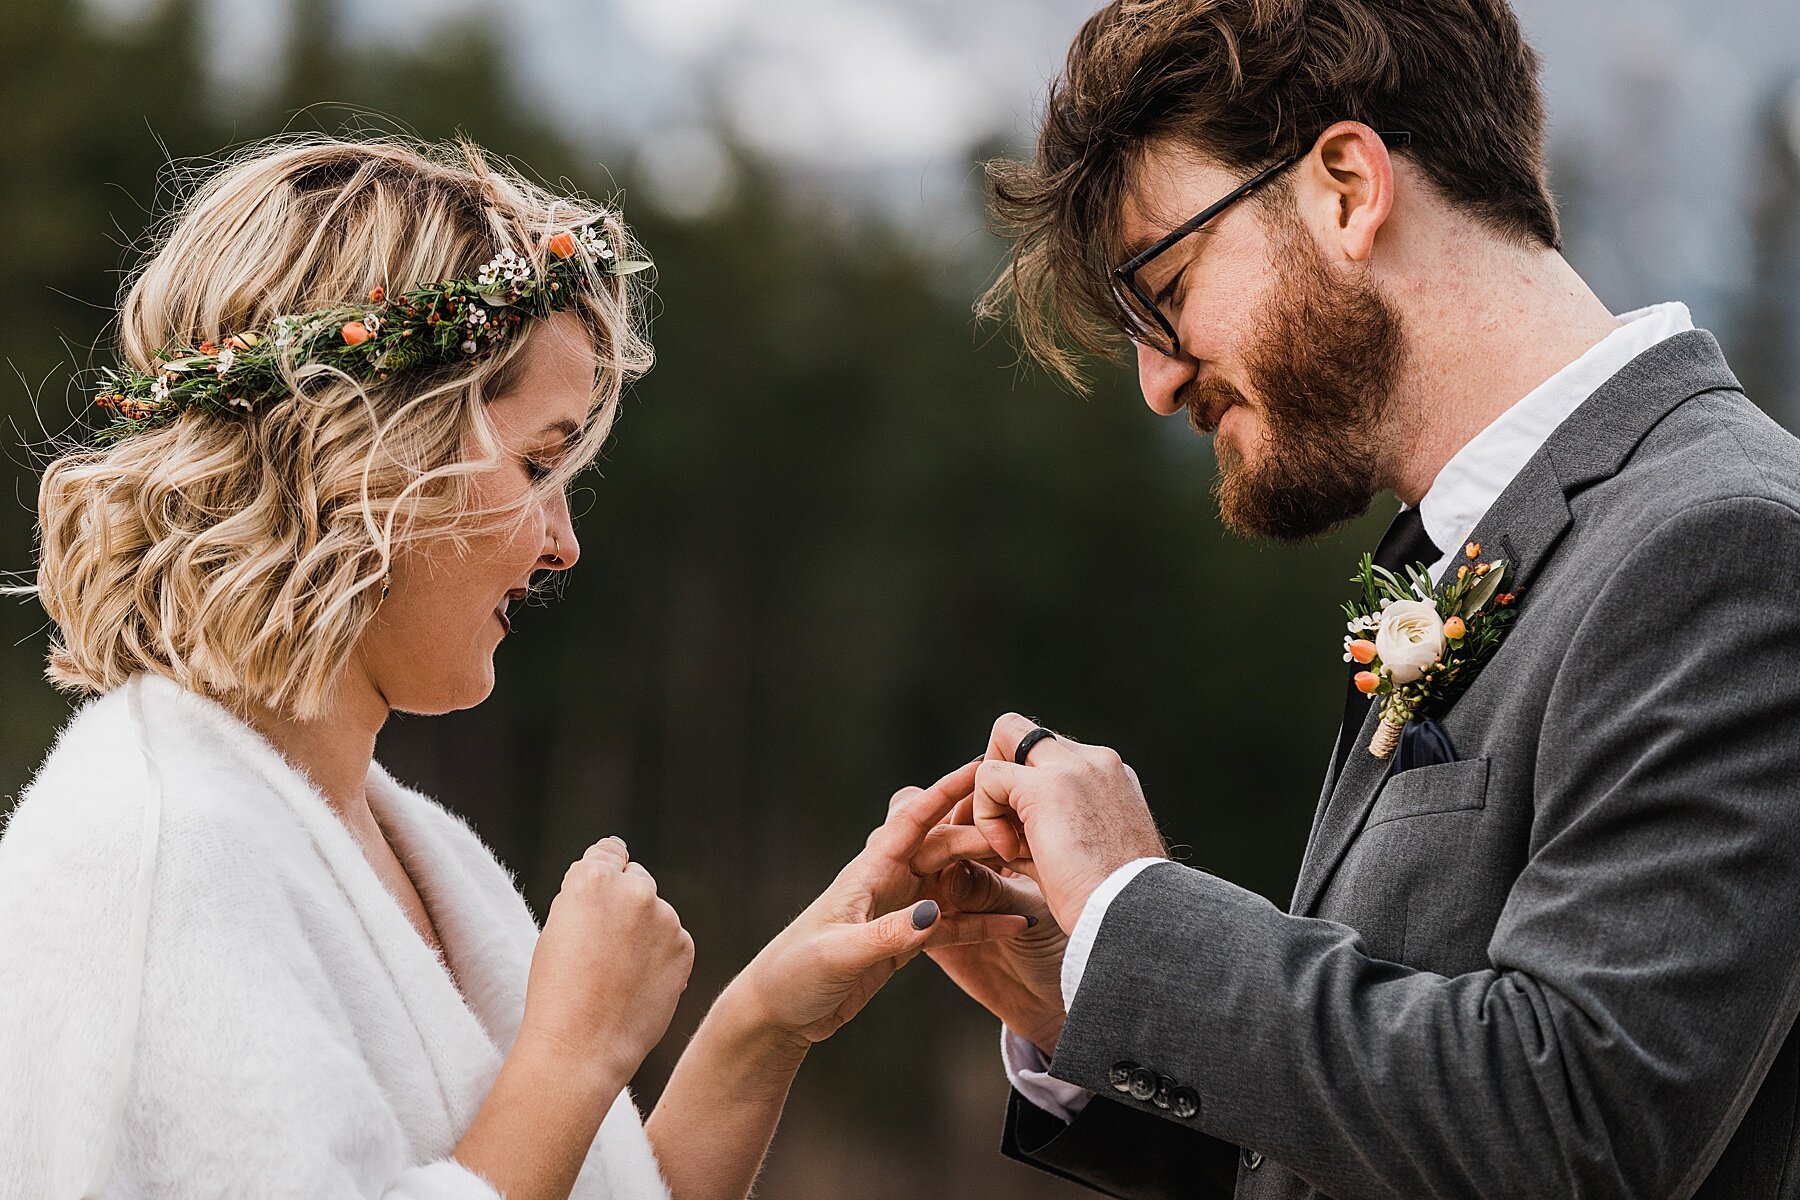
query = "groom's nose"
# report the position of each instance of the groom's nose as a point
(1162, 379)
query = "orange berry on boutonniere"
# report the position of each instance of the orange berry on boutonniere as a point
(1483, 568)
(1362, 650)
(1454, 629)
(377, 294)
(562, 245)
(1367, 682)
(355, 333)
(1462, 572)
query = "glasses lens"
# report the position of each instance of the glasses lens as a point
(1142, 322)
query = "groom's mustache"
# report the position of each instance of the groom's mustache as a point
(1206, 402)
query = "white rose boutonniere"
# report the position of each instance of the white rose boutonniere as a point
(1428, 644)
(1410, 638)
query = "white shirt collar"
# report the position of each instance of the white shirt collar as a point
(1476, 474)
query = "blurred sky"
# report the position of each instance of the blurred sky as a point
(1655, 104)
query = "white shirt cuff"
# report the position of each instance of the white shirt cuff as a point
(1087, 926)
(1030, 1076)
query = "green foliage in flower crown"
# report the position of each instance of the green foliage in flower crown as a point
(454, 320)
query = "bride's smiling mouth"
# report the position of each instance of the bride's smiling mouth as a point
(517, 593)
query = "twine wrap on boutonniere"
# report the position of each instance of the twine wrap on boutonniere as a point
(1420, 645)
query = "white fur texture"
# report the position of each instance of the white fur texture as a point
(297, 1037)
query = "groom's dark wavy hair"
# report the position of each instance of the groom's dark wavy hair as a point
(1246, 82)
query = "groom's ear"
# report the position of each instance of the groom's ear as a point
(1344, 190)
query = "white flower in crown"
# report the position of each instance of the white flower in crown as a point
(371, 322)
(588, 237)
(226, 357)
(283, 330)
(505, 267)
(238, 402)
(159, 390)
(477, 315)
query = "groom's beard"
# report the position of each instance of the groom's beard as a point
(1321, 368)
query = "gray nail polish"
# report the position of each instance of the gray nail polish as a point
(925, 914)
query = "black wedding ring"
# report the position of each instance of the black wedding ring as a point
(1028, 741)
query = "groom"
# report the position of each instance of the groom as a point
(1552, 948)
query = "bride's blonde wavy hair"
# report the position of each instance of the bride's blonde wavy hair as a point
(242, 556)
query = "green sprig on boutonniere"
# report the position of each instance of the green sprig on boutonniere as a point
(1421, 646)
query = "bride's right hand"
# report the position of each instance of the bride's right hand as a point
(610, 964)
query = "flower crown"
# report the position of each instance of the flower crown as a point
(454, 320)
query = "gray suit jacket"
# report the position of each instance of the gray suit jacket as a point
(1567, 964)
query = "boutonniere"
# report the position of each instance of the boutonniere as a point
(1420, 646)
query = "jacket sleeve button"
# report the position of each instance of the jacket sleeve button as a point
(1164, 1086)
(1252, 1158)
(1120, 1075)
(1142, 1084)
(1184, 1102)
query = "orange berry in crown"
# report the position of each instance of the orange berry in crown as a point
(207, 348)
(1367, 682)
(355, 332)
(562, 245)
(377, 294)
(237, 343)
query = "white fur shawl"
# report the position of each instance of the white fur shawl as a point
(206, 991)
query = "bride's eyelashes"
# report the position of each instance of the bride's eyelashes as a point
(535, 471)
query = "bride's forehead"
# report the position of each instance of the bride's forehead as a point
(556, 380)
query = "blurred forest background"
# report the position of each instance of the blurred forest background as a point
(840, 529)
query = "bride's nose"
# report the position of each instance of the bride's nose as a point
(560, 549)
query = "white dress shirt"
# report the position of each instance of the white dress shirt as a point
(1458, 498)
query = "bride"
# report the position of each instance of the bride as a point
(242, 960)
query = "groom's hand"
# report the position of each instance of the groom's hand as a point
(1069, 817)
(1017, 979)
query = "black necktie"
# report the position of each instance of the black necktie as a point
(1404, 544)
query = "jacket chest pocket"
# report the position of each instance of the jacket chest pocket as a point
(1438, 788)
(1422, 881)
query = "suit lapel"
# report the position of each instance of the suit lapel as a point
(1524, 526)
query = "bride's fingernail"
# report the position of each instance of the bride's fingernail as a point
(925, 914)
(1030, 921)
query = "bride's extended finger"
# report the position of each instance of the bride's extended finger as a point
(946, 844)
(909, 821)
(970, 887)
(966, 929)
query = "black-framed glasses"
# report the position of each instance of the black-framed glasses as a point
(1144, 318)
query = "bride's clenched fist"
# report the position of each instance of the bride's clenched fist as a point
(610, 964)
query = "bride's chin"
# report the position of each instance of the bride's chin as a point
(435, 697)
